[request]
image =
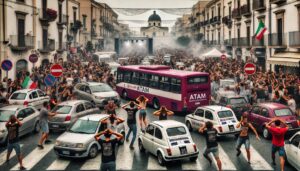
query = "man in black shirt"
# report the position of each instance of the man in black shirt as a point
(210, 134)
(131, 120)
(108, 141)
(13, 139)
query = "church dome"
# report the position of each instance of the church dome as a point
(154, 17)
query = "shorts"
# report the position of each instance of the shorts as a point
(242, 141)
(15, 146)
(44, 128)
(280, 150)
(213, 150)
(143, 114)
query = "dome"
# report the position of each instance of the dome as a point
(154, 17)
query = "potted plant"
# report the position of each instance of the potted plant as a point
(51, 14)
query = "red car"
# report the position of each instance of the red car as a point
(262, 113)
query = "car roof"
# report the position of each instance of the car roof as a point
(12, 107)
(95, 117)
(272, 105)
(93, 83)
(167, 123)
(72, 102)
(24, 90)
(215, 108)
(226, 93)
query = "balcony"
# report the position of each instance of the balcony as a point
(21, 43)
(236, 13)
(294, 39)
(259, 5)
(47, 48)
(277, 1)
(245, 10)
(258, 43)
(241, 42)
(227, 21)
(228, 42)
(277, 40)
(63, 21)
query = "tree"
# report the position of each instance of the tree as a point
(183, 40)
(89, 46)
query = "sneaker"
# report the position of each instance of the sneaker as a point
(48, 141)
(22, 168)
(40, 146)
(238, 153)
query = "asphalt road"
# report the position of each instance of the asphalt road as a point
(35, 159)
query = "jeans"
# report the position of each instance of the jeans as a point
(242, 141)
(110, 166)
(132, 127)
(15, 146)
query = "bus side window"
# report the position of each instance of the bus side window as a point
(135, 78)
(120, 76)
(164, 84)
(175, 85)
(144, 79)
(127, 77)
(154, 81)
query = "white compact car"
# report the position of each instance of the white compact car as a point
(168, 140)
(29, 97)
(223, 118)
(79, 141)
(292, 150)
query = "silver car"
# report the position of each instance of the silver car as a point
(97, 93)
(79, 140)
(68, 112)
(29, 116)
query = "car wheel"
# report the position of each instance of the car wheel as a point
(93, 151)
(193, 159)
(266, 134)
(161, 159)
(36, 127)
(123, 139)
(156, 103)
(189, 126)
(141, 147)
(124, 94)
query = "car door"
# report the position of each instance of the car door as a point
(31, 118)
(88, 93)
(262, 118)
(34, 100)
(148, 138)
(42, 98)
(198, 119)
(209, 117)
(22, 116)
(79, 111)
(293, 151)
(81, 93)
(90, 108)
(158, 140)
(253, 117)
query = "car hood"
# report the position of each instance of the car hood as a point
(2, 125)
(69, 137)
(105, 94)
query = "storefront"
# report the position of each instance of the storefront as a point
(288, 62)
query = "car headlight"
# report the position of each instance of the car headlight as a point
(2, 131)
(58, 143)
(79, 145)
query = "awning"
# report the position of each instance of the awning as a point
(285, 59)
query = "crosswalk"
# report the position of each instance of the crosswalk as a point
(126, 161)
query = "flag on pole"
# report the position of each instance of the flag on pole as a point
(260, 30)
(28, 83)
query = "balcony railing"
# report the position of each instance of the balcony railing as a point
(228, 42)
(243, 41)
(258, 43)
(277, 39)
(47, 48)
(227, 21)
(236, 13)
(294, 39)
(259, 5)
(277, 1)
(21, 42)
(245, 10)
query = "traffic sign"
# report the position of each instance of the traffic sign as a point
(6, 65)
(56, 70)
(49, 80)
(223, 57)
(33, 58)
(249, 68)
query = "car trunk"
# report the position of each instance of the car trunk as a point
(181, 145)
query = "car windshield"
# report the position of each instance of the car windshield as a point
(62, 109)
(283, 112)
(176, 131)
(237, 101)
(84, 126)
(225, 114)
(18, 96)
(101, 88)
(5, 114)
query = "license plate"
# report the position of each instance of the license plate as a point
(55, 126)
(66, 152)
(183, 150)
(231, 128)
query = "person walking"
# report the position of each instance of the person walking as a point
(142, 100)
(278, 133)
(108, 141)
(244, 136)
(131, 120)
(163, 113)
(210, 134)
(111, 107)
(43, 120)
(12, 127)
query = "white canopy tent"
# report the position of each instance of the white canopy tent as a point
(214, 53)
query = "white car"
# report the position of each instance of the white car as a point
(223, 118)
(168, 140)
(227, 83)
(292, 150)
(29, 97)
(79, 141)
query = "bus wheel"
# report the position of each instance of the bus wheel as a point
(156, 103)
(124, 94)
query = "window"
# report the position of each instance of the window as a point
(199, 112)
(154, 81)
(127, 77)
(21, 114)
(29, 111)
(120, 77)
(237, 100)
(264, 112)
(88, 105)
(255, 110)
(82, 88)
(176, 131)
(88, 90)
(198, 80)
(62, 109)
(295, 141)
(144, 79)
(41, 94)
(209, 115)
(158, 134)
(283, 112)
(150, 129)
(34, 95)
(18, 96)
(84, 21)
(164, 83)
(225, 114)
(79, 108)
(175, 85)
(135, 78)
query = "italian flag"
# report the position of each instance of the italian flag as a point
(28, 83)
(260, 30)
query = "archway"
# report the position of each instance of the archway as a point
(21, 67)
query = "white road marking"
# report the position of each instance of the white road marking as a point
(187, 165)
(34, 157)
(92, 164)
(225, 160)
(257, 161)
(125, 156)
(153, 164)
(3, 155)
(59, 164)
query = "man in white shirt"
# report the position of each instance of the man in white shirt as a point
(292, 103)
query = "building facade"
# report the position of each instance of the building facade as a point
(154, 28)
